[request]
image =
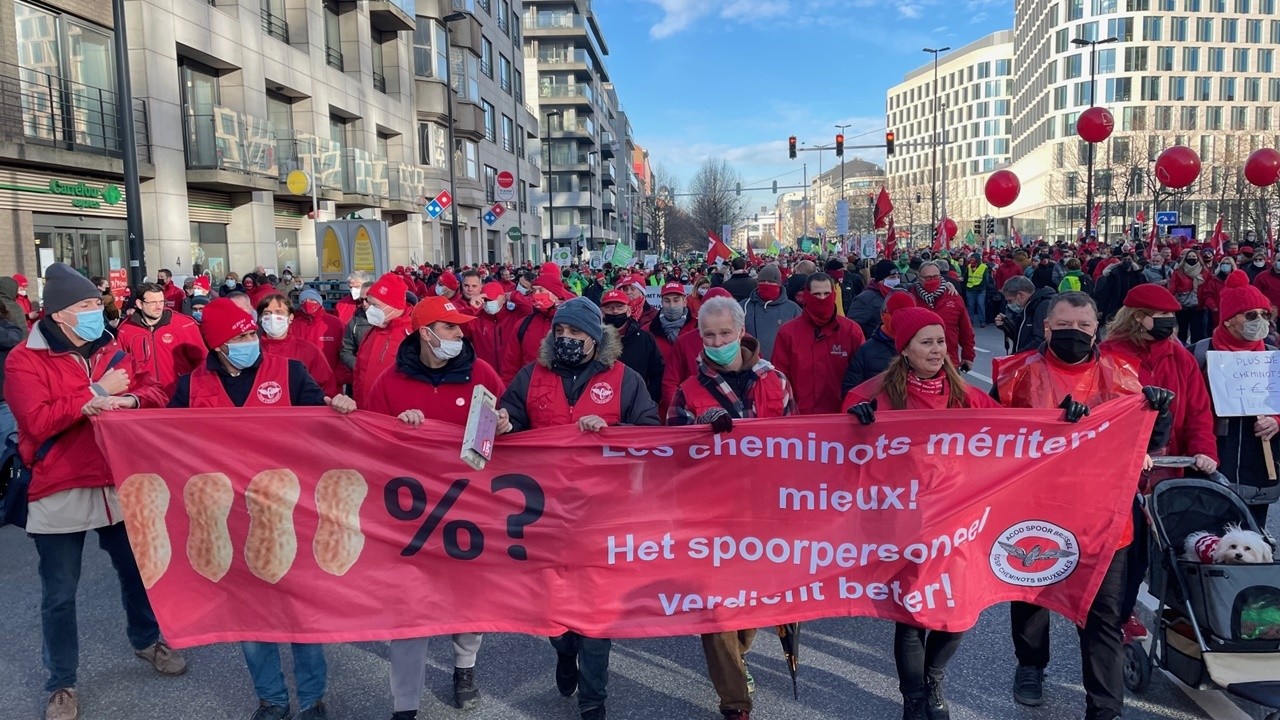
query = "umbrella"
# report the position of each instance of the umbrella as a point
(789, 634)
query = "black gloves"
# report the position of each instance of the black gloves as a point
(1158, 398)
(1075, 410)
(719, 420)
(865, 412)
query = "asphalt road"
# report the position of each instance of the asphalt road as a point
(846, 667)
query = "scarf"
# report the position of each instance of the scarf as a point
(930, 297)
(1192, 270)
(636, 307)
(933, 386)
(1225, 341)
(672, 328)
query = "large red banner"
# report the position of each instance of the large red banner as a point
(302, 525)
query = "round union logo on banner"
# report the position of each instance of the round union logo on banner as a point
(601, 393)
(270, 392)
(1035, 553)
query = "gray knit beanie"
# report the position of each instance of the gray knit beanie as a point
(64, 287)
(770, 274)
(582, 314)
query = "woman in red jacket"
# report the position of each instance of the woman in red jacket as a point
(921, 378)
(433, 377)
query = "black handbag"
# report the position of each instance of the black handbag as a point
(15, 480)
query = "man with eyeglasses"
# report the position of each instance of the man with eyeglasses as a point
(166, 341)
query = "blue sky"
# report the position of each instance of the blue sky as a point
(735, 78)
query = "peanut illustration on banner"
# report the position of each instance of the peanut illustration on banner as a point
(534, 504)
(145, 498)
(339, 541)
(208, 497)
(272, 544)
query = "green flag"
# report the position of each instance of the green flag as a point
(777, 249)
(622, 255)
(968, 236)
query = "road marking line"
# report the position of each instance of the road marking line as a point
(980, 376)
(982, 350)
(1214, 702)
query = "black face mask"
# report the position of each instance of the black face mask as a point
(618, 321)
(1163, 327)
(1193, 261)
(570, 352)
(1071, 346)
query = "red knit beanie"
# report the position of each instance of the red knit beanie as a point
(223, 320)
(896, 301)
(716, 292)
(390, 290)
(909, 321)
(1239, 296)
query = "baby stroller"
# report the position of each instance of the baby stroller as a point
(1216, 624)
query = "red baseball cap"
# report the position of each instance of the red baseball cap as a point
(672, 288)
(492, 291)
(615, 296)
(438, 309)
(21, 279)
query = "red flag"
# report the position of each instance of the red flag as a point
(938, 235)
(1017, 236)
(884, 206)
(1154, 235)
(751, 254)
(1218, 238)
(1097, 214)
(716, 248)
(1142, 216)
(891, 240)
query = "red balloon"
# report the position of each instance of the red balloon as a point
(1002, 188)
(1095, 124)
(1263, 167)
(1177, 167)
(949, 227)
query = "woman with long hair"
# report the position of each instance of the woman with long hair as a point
(920, 378)
(1185, 283)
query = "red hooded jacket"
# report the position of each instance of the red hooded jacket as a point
(172, 348)
(955, 323)
(520, 351)
(325, 332)
(294, 346)
(46, 390)
(814, 359)
(489, 334)
(1268, 283)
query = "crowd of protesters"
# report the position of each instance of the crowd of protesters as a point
(680, 343)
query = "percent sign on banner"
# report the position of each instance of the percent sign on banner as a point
(395, 492)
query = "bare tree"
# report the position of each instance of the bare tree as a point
(715, 201)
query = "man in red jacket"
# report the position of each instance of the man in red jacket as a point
(345, 308)
(68, 370)
(391, 324)
(29, 310)
(492, 326)
(166, 340)
(534, 321)
(813, 350)
(931, 292)
(1268, 281)
(174, 296)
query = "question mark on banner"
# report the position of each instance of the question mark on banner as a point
(534, 504)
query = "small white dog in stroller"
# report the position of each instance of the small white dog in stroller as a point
(1236, 546)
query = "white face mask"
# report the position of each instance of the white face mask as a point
(891, 282)
(702, 291)
(448, 350)
(492, 306)
(22, 292)
(441, 290)
(525, 290)
(355, 293)
(275, 326)
(229, 283)
(375, 316)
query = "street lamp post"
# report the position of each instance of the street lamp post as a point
(551, 198)
(128, 151)
(590, 235)
(1093, 93)
(933, 144)
(453, 144)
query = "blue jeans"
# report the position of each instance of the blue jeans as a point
(60, 557)
(593, 666)
(976, 301)
(7, 423)
(309, 670)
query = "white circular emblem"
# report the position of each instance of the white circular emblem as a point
(167, 338)
(601, 393)
(460, 402)
(1035, 553)
(269, 392)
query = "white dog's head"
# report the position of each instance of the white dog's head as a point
(1241, 547)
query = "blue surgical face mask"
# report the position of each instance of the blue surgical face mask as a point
(243, 354)
(90, 325)
(197, 315)
(724, 354)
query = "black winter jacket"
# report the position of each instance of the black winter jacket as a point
(640, 353)
(869, 361)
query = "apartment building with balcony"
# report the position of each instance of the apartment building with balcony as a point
(494, 128)
(584, 130)
(231, 96)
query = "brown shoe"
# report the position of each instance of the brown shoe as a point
(63, 705)
(163, 658)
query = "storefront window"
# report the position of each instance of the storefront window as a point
(93, 246)
(287, 251)
(209, 250)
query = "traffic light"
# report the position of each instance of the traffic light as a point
(991, 226)
(888, 143)
(775, 187)
(977, 228)
(737, 189)
(840, 145)
(791, 147)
